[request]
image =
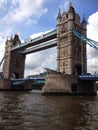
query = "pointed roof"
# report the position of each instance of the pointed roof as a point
(83, 20)
(16, 34)
(16, 39)
(59, 13)
(71, 8)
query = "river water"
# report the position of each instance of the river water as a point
(32, 111)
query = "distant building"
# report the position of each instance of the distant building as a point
(41, 75)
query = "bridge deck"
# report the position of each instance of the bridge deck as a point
(89, 77)
(21, 81)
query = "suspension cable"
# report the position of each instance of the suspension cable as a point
(2, 61)
(86, 40)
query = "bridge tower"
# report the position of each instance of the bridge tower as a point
(14, 62)
(71, 52)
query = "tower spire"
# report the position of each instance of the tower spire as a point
(71, 8)
(83, 20)
(59, 13)
(71, 4)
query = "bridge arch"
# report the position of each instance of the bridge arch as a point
(15, 75)
(77, 69)
(74, 87)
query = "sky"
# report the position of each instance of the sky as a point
(30, 18)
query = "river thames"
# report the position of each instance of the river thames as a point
(32, 111)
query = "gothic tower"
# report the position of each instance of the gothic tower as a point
(71, 52)
(14, 62)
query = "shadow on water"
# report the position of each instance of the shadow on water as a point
(32, 111)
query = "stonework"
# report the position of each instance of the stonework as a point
(64, 84)
(59, 83)
(14, 62)
(5, 84)
(71, 52)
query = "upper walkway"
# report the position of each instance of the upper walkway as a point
(43, 39)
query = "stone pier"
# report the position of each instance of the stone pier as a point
(63, 84)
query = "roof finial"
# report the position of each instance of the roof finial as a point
(71, 8)
(83, 20)
(16, 33)
(59, 13)
(71, 4)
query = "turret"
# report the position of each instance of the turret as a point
(77, 19)
(83, 23)
(59, 17)
(58, 22)
(16, 40)
(71, 12)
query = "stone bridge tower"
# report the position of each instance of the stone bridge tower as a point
(14, 62)
(71, 52)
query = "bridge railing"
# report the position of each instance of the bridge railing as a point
(89, 77)
(24, 80)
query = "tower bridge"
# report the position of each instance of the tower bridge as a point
(70, 39)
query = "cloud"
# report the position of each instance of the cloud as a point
(92, 33)
(39, 34)
(24, 11)
(64, 5)
(16, 15)
(37, 62)
(2, 3)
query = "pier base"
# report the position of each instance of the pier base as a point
(5, 84)
(64, 84)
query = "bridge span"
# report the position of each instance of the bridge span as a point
(42, 42)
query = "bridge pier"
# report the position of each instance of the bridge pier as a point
(87, 87)
(14, 62)
(63, 84)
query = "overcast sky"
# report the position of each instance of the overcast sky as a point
(30, 18)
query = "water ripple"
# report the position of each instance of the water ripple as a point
(32, 111)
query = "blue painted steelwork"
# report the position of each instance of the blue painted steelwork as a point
(91, 43)
(86, 40)
(22, 81)
(88, 77)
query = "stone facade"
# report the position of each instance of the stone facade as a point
(5, 84)
(58, 83)
(71, 52)
(14, 62)
(65, 84)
